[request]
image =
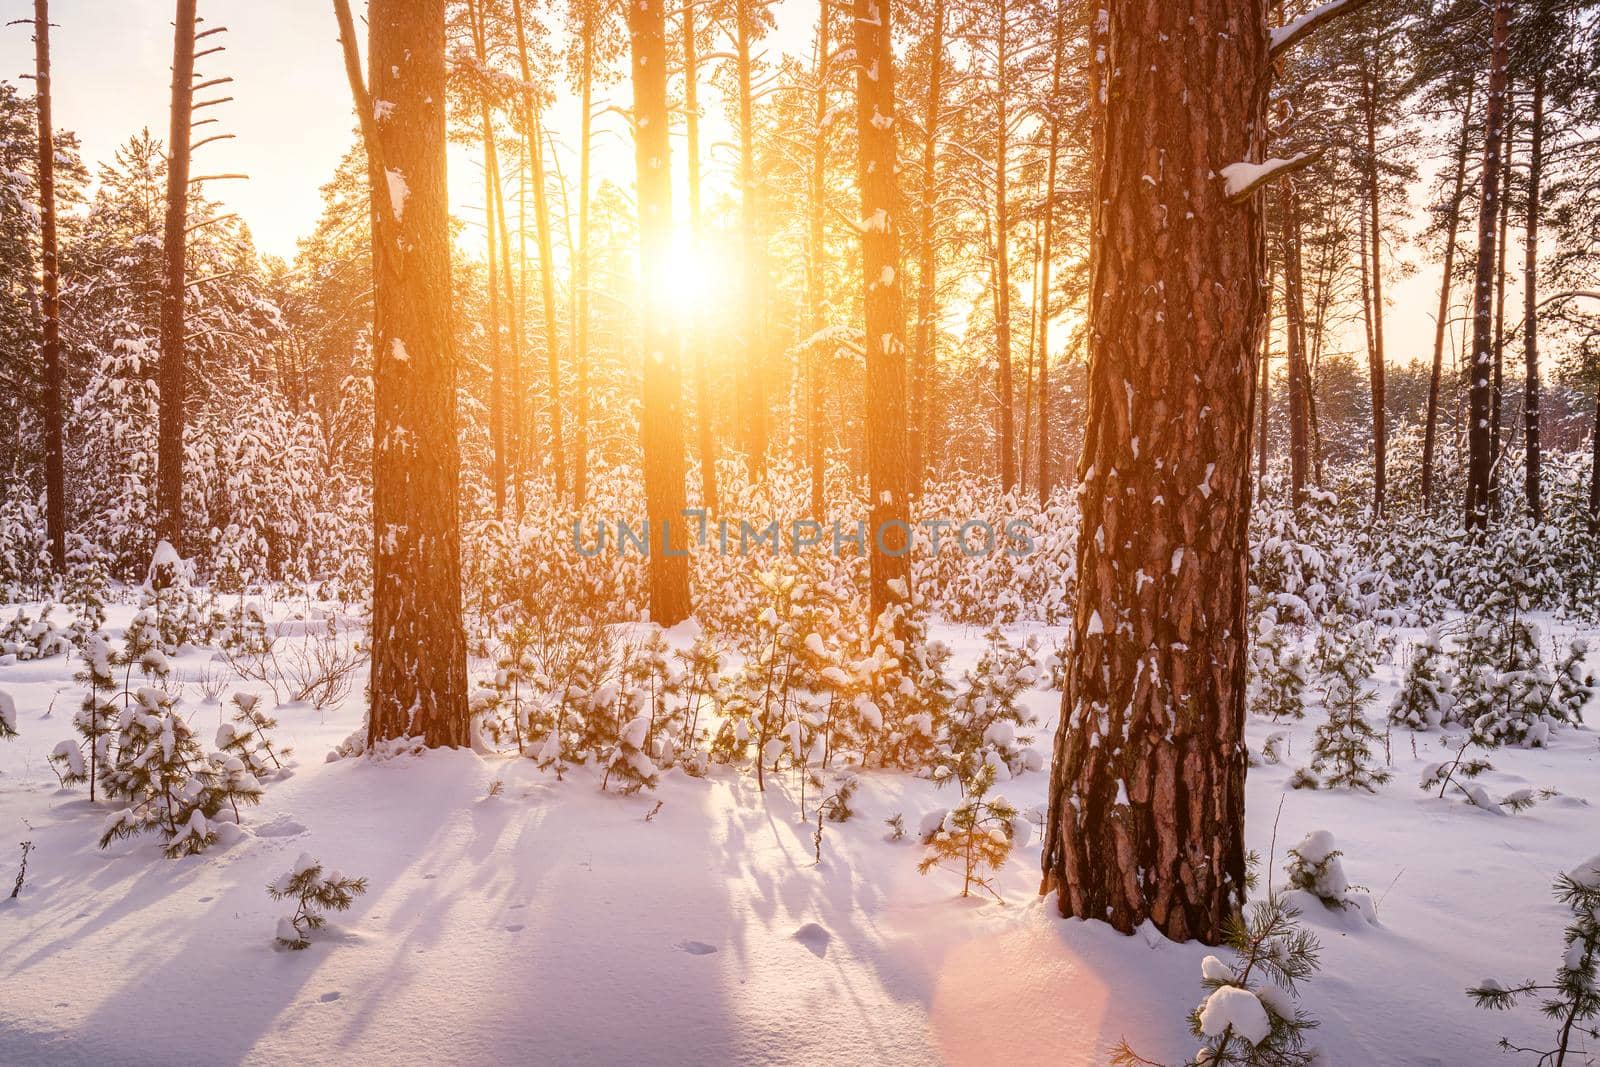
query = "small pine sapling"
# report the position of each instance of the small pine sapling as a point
(1342, 748)
(1278, 671)
(1424, 699)
(1572, 998)
(1246, 1021)
(627, 761)
(974, 837)
(987, 713)
(1316, 867)
(8, 716)
(248, 737)
(835, 807)
(313, 893)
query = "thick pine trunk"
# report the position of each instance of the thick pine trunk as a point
(491, 324)
(1480, 454)
(1146, 813)
(921, 428)
(1530, 304)
(661, 430)
(884, 333)
(55, 485)
(1430, 431)
(169, 447)
(419, 678)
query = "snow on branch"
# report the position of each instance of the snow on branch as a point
(1242, 179)
(1288, 35)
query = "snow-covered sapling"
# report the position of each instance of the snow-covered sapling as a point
(313, 893)
(8, 715)
(248, 737)
(974, 836)
(627, 762)
(1424, 698)
(1278, 671)
(1316, 867)
(835, 807)
(1342, 747)
(1246, 1021)
(1572, 998)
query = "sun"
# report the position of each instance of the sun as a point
(690, 277)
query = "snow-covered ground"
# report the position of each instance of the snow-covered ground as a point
(554, 923)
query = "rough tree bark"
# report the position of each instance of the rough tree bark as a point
(884, 335)
(1146, 812)
(1480, 455)
(580, 267)
(1441, 324)
(661, 429)
(169, 447)
(419, 653)
(491, 324)
(55, 484)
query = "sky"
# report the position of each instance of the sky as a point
(293, 121)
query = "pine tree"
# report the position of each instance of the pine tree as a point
(247, 737)
(627, 762)
(1424, 699)
(976, 836)
(1572, 999)
(8, 716)
(313, 892)
(1279, 672)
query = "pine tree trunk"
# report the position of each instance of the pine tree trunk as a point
(921, 429)
(419, 678)
(547, 271)
(580, 287)
(55, 485)
(1530, 304)
(1480, 455)
(661, 429)
(1380, 433)
(1294, 332)
(752, 361)
(1264, 388)
(1002, 261)
(885, 328)
(491, 325)
(1146, 813)
(1051, 158)
(1452, 222)
(512, 404)
(169, 447)
(1497, 396)
(702, 369)
(816, 272)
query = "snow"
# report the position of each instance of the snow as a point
(566, 928)
(1230, 1007)
(1238, 178)
(8, 713)
(399, 192)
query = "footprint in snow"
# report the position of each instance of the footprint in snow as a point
(814, 938)
(695, 948)
(282, 826)
(514, 927)
(329, 998)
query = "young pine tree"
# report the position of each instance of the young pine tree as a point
(313, 893)
(975, 838)
(1572, 998)
(1425, 692)
(1278, 671)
